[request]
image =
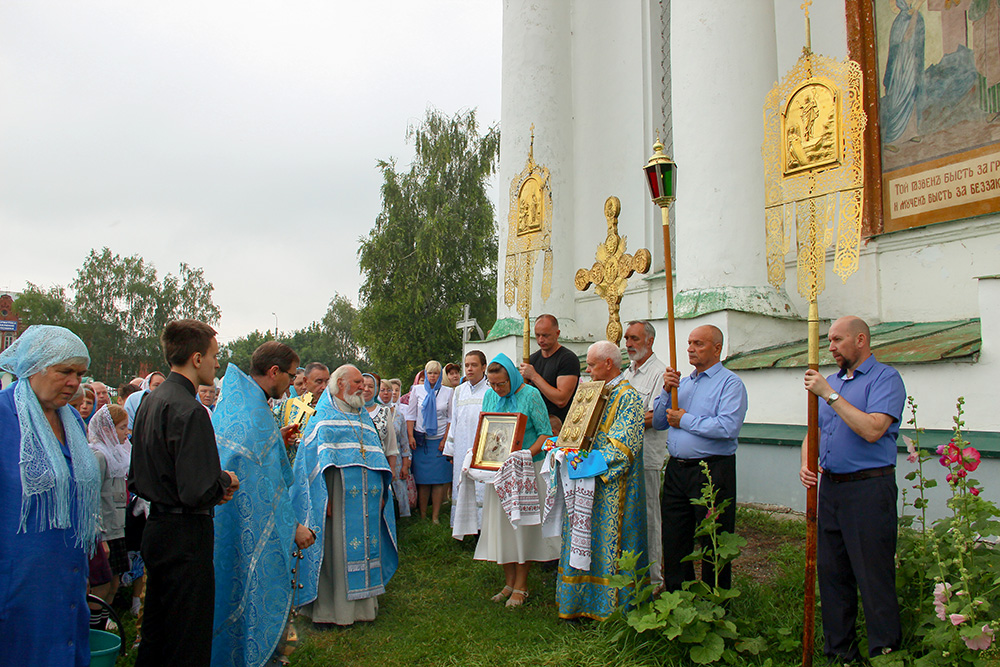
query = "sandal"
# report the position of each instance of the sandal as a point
(517, 603)
(502, 595)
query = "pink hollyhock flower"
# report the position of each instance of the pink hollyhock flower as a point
(941, 595)
(974, 491)
(949, 477)
(982, 642)
(956, 619)
(940, 450)
(970, 458)
(961, 473)
(912, 455)
(954, 453)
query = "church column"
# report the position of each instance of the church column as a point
(723, 64)
(536, 89)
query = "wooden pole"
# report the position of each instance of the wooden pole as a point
(668, 271)
(812, 460)
(527, 339)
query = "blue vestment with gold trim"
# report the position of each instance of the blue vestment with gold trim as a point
(255, 531)
(618, 522)
(350, 442)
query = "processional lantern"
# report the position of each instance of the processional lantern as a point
(661, 177)
(813, 184)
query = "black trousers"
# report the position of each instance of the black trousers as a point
(681, 483)
(856, 547)
(180, 591)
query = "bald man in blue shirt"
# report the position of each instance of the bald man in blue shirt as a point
(703, 427)
(856, 510)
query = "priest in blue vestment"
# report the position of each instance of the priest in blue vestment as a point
(343, 492)
(618, 521)
(49, 501)
(256, 533)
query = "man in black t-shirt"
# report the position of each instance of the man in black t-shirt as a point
(553, 369)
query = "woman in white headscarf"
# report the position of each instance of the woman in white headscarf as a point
(149, 383)
(49, 500)
(108, 434)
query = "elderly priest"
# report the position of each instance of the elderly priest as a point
(618, 520)
(342, 491)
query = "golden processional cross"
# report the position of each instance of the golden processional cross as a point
(813, 183)
(610, 273)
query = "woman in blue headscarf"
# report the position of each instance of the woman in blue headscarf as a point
(428, 417)
(499, 541)
(49, 502)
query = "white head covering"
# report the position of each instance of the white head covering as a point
(104, 439)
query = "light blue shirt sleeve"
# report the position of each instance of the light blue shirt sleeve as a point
(660, 406)
(726, 422)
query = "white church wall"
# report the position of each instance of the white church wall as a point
(720, 79)
(536, 89)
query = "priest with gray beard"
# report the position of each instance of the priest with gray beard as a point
(342, 491)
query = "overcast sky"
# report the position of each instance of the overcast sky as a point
(240, 137)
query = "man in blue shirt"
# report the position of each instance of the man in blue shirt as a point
(703, 427)
(856, 512)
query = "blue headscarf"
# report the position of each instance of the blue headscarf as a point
(374, 398)
(508, 403)
(51, 494)
(428, 410)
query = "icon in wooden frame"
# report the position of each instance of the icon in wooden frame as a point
(498, 434)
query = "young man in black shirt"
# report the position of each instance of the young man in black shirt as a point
(175, 466)
(553, 369)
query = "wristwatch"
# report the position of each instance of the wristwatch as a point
(833, 397)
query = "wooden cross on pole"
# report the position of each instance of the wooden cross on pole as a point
(613, 267)
(466, 324)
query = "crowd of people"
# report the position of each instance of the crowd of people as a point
(227, 506)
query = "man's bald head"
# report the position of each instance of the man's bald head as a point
(850, 342)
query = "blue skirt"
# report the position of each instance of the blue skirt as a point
(429, 466)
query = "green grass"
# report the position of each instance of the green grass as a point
(437, 611)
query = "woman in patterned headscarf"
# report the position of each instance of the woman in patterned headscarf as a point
(49, 500)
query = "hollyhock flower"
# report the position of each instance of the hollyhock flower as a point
(941, 595)
(974, 491)
(912, 455)
(956, 619)
(982, 642)
(954, 453)
(970, 458)
(940, 450)
(949, 477)
(961, 473)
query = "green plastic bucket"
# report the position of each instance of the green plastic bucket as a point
(104, 648)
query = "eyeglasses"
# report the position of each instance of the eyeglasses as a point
(496, 385)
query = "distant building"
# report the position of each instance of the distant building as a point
(10, 321)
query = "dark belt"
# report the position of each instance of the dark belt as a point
(868, 473)
(157, 508)
(694, 462)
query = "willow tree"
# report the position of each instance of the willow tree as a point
(433, 246)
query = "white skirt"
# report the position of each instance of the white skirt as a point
(500, 542)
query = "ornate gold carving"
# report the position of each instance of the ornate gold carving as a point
(584, 415)
(610, 273)
(810, 127)
(814, 169)
(529, 231)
